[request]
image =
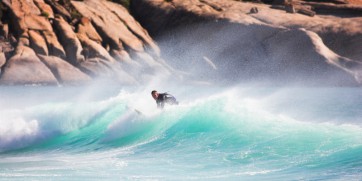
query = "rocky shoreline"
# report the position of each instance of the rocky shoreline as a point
(76, 42)
(73, 42)
(255, 42)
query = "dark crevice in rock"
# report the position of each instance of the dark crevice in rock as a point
(47, 42)
(34, 43)
(342, 10)
(212, 5)
(71, 46)
(124, 3)
(106, 40)
(145, 14)
(58, 9)
(13, 25)
(6, 46)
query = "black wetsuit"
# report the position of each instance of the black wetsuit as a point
(165, 98)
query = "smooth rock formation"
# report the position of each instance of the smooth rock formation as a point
(270, 46)
(96, 67)
(26, 68)
(65, 73)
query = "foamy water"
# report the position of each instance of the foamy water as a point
(240, 133)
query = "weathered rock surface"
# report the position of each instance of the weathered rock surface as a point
(75, 41)
(69, 40)
(64, 71)
(133, 26)
(86, 28)
(271, 45)
(38, 43)
(45, 9)
(26, 68)
(59, 9)
(93, 49)
(96, 67)
(72, 42)
(114, 31)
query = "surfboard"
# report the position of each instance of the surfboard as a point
(138, 112)
(135, 110)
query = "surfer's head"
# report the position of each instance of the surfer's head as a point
(154, 94)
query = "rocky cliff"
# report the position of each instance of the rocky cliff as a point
(73, 42)
(224, 41)
(235, 41)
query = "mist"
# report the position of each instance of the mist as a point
(267, 69)
(225, 53)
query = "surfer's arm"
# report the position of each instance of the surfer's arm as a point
(161, 101)
(160, 104)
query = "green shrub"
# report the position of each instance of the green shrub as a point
(75, 14)
(45, 14)
(124, 3)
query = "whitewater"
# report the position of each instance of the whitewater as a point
(238, 133)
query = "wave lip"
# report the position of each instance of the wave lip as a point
(44, 124)
(17, 133)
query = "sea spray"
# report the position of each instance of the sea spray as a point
(234, 134)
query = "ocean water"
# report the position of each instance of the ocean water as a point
(244, 133)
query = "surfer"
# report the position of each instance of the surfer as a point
(162, 98)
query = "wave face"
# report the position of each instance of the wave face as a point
(244, 134)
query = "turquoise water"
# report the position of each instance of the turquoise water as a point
(234, 134)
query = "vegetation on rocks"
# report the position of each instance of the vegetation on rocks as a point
(125, 3)
(45, 14)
